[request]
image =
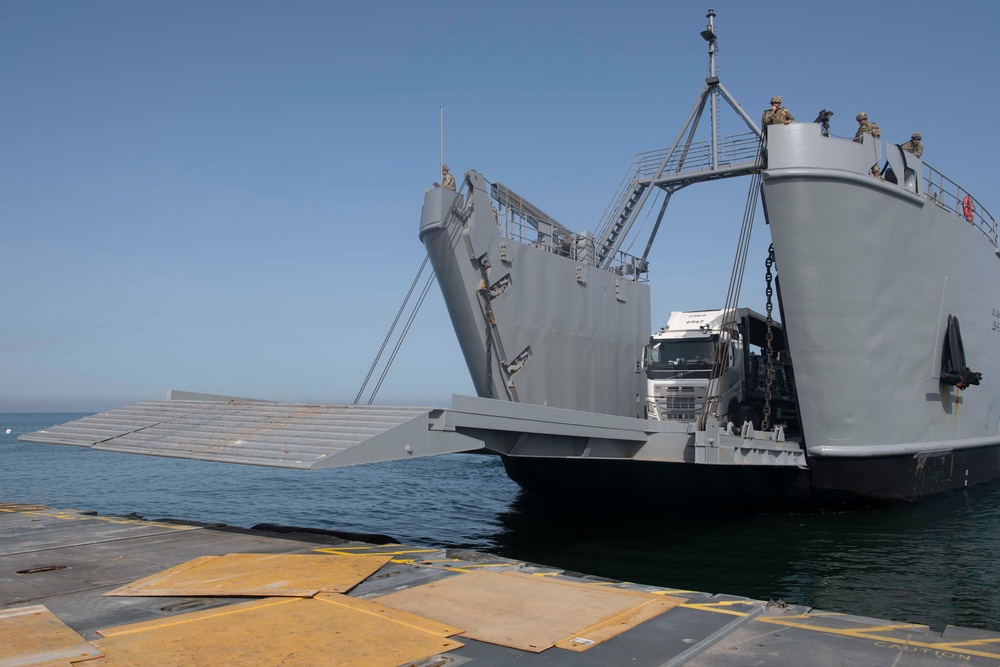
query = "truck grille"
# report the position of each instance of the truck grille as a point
(680, 403)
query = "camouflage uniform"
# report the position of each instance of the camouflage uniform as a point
(913, 145)
(868, 127)
(447, 180)
(779, 116)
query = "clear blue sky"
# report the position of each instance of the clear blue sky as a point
(224, 196)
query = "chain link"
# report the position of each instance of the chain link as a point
(765, 423)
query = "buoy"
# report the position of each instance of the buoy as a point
(8, 431)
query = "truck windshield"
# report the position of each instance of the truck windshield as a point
(679, 354)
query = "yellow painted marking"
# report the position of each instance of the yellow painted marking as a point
(671, 591)
(66, 516)
(338, 551)
(715, 607)
(440, 562)
(865, 633)
(976, 642)
(899, 626)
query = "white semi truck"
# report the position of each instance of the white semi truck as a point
(678, 363)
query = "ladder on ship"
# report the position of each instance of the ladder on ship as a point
(685, 163)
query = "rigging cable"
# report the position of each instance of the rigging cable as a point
(453, 237)
(392, 328)
(735, 284)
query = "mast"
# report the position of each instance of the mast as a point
(685, 163)
(709, 35)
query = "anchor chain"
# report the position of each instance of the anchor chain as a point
(765, 423)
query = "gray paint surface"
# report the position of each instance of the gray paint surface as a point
(584, 326)
(870, 271)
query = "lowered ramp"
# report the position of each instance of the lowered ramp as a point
(310, 436)
(282, 435)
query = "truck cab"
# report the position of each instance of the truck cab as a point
(679, 361)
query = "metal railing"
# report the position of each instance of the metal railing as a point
(690, 157)
(952, 197)
(697, 155)
(521, 221)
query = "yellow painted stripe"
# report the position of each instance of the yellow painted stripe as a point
(975, 642)
(865, 633)
(337, 551)
(66, 516)
(713, 609)
(899, 626)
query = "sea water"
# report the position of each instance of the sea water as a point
(933, 562)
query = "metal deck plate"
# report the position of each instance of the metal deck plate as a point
(263, 575)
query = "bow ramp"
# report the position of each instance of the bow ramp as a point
(313, 436)
(281, 435)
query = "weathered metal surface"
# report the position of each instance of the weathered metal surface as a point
(284, 435)
(320, 436)
(704, 629)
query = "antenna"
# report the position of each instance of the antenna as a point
(441, 158)
(708, 34)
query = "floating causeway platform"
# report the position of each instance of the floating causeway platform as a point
(82, 589)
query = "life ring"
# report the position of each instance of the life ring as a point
(968, 210)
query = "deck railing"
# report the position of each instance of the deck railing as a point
(952, 197)
(689, 157)
(523, 222)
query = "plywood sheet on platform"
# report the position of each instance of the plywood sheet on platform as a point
(33, 635)
(285, 631)
(259, 575)
(528, 612)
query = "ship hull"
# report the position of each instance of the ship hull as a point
(870, 272)
(828, 482)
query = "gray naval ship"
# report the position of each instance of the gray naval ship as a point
(888, 295)
(885, 333)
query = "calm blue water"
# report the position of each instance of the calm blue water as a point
(933, 562)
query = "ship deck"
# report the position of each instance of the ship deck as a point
(390, 605)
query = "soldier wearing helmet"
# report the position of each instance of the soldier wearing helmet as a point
(777, 114)
(913, 145)
(866, 127)
(447, 180)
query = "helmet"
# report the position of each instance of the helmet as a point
(917, 136)
(862, 116)
(444, 167)
(776, 99)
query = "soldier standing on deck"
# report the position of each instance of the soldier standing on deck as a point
(913, 145)
(777, 114)
(866, 127)
(447, 180)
